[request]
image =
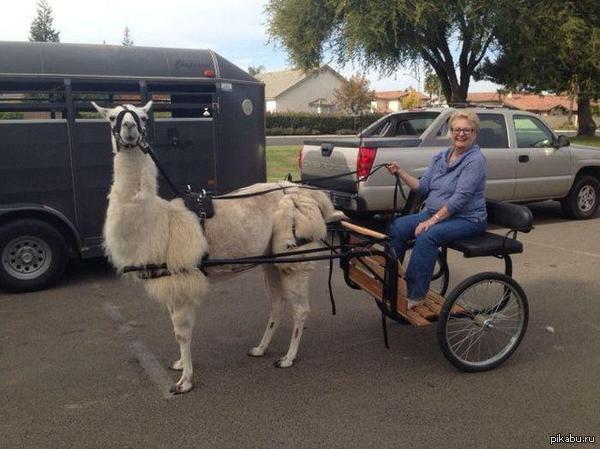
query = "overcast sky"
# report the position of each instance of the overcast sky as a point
(233, 28)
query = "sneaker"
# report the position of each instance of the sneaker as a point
(414, 302)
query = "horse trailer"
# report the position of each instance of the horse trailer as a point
(207, 128)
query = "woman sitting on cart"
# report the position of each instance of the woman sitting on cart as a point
(454, 184)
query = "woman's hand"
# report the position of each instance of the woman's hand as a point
(424, 226)
(393, 168)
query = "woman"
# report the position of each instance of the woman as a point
(454, 184)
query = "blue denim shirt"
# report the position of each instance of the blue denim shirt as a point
(459, 185)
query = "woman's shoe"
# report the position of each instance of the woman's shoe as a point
(414, 302)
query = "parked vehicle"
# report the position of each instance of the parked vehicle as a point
(56, 152)
(526, 160)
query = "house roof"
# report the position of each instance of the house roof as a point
(543, 103)
(395, 95)
(279, 82)
(524, 101)
(484, 97)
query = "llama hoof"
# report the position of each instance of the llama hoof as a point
(176, 366)
(181, 387)
(256, 352)
(283, 362)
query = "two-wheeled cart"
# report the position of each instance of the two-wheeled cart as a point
(482, 321)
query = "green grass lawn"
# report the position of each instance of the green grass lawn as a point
(584, 140)
(282, 160)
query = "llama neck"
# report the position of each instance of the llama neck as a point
(134, 174)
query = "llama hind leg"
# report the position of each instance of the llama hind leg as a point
(183, 317)
(296, 290)
(274, 289)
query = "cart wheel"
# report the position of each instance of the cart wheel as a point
(483, 321)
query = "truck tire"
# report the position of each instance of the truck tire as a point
(582, 201)
(33, 255)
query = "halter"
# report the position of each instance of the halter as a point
(116, 131)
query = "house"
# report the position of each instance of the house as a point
(300, 91)
(391, 100)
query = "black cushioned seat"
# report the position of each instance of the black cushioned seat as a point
(488, 244)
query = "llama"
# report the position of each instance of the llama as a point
(142, 228)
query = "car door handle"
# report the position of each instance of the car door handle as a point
(524, 158)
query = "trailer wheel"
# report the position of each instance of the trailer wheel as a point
(483, 321)
(33, 255)
(582, 201)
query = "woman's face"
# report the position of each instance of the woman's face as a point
(462, 134)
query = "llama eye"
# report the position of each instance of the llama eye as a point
(144, 119)
(111, 118)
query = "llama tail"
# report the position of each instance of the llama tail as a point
(330, 214)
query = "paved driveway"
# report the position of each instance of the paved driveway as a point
(82, 365)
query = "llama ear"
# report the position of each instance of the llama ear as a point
(147, 107)
(102, 111)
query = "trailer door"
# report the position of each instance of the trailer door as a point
(184, 135)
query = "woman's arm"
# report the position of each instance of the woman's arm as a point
(407, 178)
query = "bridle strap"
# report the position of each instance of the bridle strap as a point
(116, 130)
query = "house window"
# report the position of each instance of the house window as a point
(271, 105)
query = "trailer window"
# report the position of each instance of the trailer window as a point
(182, 100)
(32, 101)
(107, 95)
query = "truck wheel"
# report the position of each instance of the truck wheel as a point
(582, 201)
(33, 255)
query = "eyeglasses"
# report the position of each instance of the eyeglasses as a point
(465, 131)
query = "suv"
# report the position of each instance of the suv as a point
(526, 160)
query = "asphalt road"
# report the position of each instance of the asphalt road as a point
(82, 365)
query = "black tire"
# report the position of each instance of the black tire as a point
(582, 201)
(33, 255)
(492, 314)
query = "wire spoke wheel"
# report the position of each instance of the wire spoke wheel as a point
(483, 321)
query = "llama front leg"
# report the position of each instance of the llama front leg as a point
(296, 290)
(183, 316)
(274, 289)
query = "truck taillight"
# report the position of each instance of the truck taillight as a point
(364, 164)
(299, 157)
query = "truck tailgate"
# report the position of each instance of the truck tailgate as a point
(326, 158)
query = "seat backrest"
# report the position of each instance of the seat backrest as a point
(509, 215)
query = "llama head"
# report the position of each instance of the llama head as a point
(127, 123)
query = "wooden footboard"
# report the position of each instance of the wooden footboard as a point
(362, 276)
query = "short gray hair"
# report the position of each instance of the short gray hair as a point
(467, 114)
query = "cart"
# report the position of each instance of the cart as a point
(482, 321)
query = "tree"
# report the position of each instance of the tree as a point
(552, 45)
(411, 100)
(354, 95)
(41, 28)
(388, 35)
(432, 84)
(127, 39)
(255, 70)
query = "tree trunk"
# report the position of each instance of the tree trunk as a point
(586, 125)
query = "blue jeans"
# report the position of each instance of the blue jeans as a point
(425, 251)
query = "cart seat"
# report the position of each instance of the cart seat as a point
(488, 244)
(507, 215)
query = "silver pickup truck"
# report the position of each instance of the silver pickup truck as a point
(526, 160)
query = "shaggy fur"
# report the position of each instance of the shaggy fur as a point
(142, 228)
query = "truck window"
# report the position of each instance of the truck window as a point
(413, 126)
(492, 131)
(531, 132)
